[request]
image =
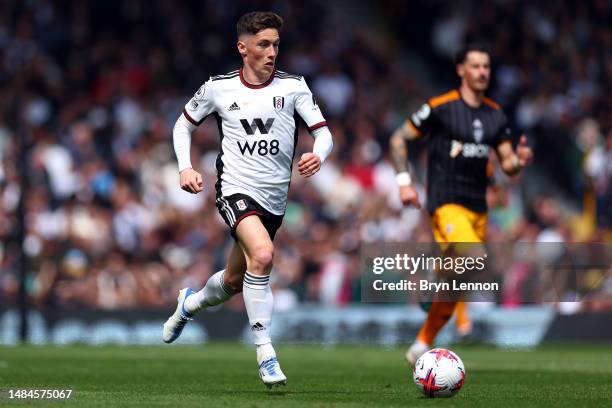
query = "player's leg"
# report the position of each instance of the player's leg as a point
(438, 315)
(451, 223)
(220, 287)
(463, 323)
(258, 249)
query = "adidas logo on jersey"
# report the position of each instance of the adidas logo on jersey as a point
(234, 106)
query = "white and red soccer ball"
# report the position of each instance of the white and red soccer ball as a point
(439, 373)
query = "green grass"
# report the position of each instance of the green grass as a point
(224, 375)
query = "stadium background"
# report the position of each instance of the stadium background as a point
(89, 92)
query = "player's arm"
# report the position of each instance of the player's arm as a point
(193, 114)
(308, 109)
(191, 180)
(399, 157)
(512, 162)
(310, 163)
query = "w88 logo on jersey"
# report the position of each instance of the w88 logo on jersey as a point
(262, 147)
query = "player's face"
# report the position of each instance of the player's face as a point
(259, 51)
(476, 70)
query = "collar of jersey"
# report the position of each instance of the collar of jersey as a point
(258, 86)
(468, 105)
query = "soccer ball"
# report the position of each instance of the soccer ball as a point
(439, 373)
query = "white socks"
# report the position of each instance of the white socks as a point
(259, 302)
(213, 293)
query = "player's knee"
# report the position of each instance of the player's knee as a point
(261, 259)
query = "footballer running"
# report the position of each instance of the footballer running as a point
(462, 125)
(257, 109)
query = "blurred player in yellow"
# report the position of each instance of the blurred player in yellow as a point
(462, 126)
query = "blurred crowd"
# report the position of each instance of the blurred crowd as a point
(89, 92)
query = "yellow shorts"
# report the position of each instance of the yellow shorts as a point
(455, 223)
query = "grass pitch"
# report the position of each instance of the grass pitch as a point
(225, 375)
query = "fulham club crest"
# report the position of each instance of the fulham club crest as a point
(241, 205)
(278, 102)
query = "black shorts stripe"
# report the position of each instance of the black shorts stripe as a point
(224, 206)
(230, 213)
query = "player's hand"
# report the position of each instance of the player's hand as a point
(309, 164)
(191, 181)
(524, 152)
(409, 196)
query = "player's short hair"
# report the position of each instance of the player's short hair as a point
(461, 55)
(254, 22)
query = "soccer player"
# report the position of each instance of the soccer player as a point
(462, 125)
(257, 109)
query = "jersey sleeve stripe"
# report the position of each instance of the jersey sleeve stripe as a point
(491, 103)
(283, 74)
(229, 75)
(317, 126)
(445, 98)
(287, 76)
(190, 119)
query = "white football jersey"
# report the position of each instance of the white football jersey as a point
(258, 130)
